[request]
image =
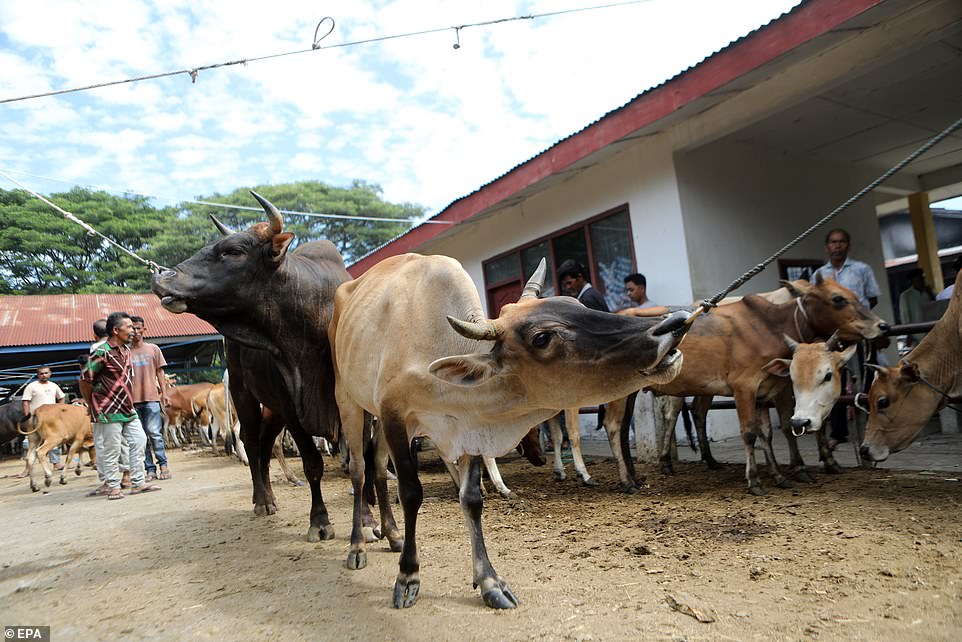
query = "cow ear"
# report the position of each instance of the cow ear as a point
(465, 369)
(279, 243)
(909, 371)
(778, 367)
(848, 353)
(796, 288)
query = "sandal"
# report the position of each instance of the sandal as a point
(143, 488)
(164, 474)
(115, 493)
(103, 489)
(21, 475)
(150, 477)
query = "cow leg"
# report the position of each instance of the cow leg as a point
(765, 430)
(74, 451)
(699, 412)
(574, 438)
(825, 455)
(278, 451)
(617, 427)
(33, 443)
(494, 590)
(389, 527)
(320, 525)
(492, 467)
(249, 415)
(408, 583)
(745, 407)
(666, 409)
(554, 426)
(354, 429)
(41, 455)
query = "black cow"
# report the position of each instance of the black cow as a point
(11, 414)
(273, 306)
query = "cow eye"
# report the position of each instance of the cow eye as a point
(828, 377)
(882, 403)
(232, 251)
(838, 300)
(541, 339)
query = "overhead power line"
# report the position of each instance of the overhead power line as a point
(317, 46)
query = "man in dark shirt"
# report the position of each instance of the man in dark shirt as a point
(573, 279)
(105, 386)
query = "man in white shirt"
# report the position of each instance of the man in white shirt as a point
(40, 393)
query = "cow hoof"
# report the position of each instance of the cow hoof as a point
(785, 483)
(356, 560)
(34, 487)
(630, 489)
(296, 482)
(406, 592)
(510, 495)
(834, 469)
(559, 475)
(757, 490)
(713, 465)
(265, 509)
(589, 482)
(640, 479)
(368, 534)
(63, 481)
(77, 471)
(666, 469)
(377, 532)
(313, 534)
(500, 597)
(804, 476)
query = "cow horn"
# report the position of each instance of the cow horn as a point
(833, 342)
(790, 342)
(277, 222)
(532, 289)
(481, 331)
(223, 229)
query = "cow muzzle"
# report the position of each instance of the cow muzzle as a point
(802, 425)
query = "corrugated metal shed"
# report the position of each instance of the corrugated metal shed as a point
(67, 318)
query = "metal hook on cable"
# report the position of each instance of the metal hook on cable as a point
(457, 37)
(317, 40)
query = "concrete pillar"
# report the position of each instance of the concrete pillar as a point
(923, 226)
(949, 419)
(647, 435)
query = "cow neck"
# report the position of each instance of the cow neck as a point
(801, 312)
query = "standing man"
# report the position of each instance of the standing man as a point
(912, 305)
(859, 278)
(149, 389)
(573, 278)
(40, 393)
(636, 287)
(105, 386)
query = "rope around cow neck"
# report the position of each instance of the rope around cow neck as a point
(935, 140)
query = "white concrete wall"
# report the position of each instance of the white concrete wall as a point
(642, 177)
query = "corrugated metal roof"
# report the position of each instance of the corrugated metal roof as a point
(49, 319)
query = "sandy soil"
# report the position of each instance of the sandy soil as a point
(870, 555)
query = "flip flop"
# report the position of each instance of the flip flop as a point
(99, 491)
(115, 493)
(164, 474)
(22, 475)
(144, 488)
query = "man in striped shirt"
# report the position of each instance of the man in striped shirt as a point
(105, 385)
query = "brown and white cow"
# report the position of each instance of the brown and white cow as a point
(473, 390)
(180, 412)
(50, 426)
(904, 398)
(727, 349)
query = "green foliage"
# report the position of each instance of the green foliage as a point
(42, 253)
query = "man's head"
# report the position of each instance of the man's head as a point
(119, 328)
(138, 330)
(636, 287)
(836, 245)
(917, 278)
(572, 277)
(43, 374)
(100, 329)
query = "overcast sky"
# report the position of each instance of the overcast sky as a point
(427, 122)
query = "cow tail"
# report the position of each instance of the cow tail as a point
(686, 420)
(34, 425)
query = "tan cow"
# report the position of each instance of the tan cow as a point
(181, 411)
(903, 399)
(727, 349)
(50, 426)
(412, 347)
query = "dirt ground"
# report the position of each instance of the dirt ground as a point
(869, 555)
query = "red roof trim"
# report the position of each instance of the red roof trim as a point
(807, 21)
(53, 319)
